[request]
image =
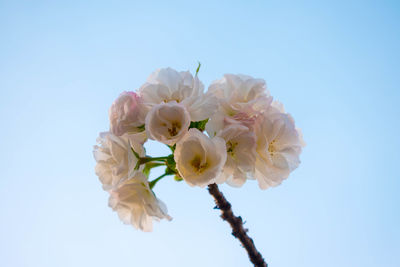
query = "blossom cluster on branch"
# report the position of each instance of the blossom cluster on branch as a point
(232, 133)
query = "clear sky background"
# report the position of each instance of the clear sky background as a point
(334, 64)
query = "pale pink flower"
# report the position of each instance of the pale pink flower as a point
(279, 144)
(167, 122)
(168, 85)
(199, 158)
(127, 114)
(241, 93)
(241, 155)
(115, 159)
(242, 99)
(136, 203)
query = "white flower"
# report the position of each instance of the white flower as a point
(166, 85)
(241, 155)
(167, 122)
(127, 114)
(136, 204)
(241, 93)
(115, 159)
(242, 98)
(200, 159)
(279, 145)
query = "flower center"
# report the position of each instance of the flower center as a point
(196, 163)
(231, 147)
(172, 99)
(174, 129)
(271, 148)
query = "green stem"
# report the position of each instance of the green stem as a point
(154, 164)
(148, 159)
(153, 183)
(151, 165)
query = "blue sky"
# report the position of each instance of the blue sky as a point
(334, 64)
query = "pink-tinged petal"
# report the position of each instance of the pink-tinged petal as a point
(127, 114)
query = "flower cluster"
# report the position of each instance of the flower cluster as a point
(230, 134)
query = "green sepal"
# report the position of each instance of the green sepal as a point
(135, 153)
(138, 157)
(172, 148)
(171, 165)
(201, 125)
(178, 178)
(146, 170)
(198, 68)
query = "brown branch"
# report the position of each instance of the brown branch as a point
(237, 226)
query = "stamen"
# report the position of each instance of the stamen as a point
(231, 147)
(271, 148)
(196, 163)
(175, 127)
